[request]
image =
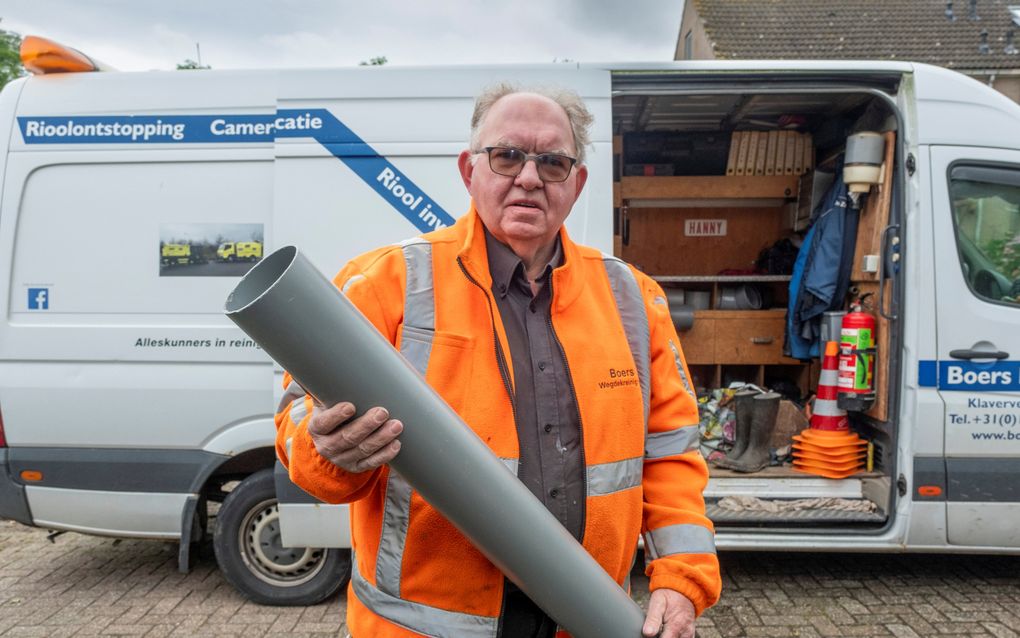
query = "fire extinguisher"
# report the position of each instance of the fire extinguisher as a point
(857, 358)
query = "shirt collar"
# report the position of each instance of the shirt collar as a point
(504, 264)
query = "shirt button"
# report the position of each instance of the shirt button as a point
(548, 427)
(541, 365)
(554, 492)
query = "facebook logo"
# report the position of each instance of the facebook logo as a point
(38, 298)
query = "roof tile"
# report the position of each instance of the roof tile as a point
(915, 30)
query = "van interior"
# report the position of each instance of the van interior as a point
(717, 182)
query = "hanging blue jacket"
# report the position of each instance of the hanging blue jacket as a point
(821, 274)
(795, 346)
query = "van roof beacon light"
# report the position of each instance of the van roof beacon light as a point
(41, 56)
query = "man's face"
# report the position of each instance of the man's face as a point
(523, 209)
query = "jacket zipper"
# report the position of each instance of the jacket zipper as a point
(505, 374)
(504, 370)
(577, 409)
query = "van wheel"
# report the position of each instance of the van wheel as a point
(253, 560)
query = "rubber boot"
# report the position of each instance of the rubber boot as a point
(763, 422)
(743, 406)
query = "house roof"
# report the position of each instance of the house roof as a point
(914, 30)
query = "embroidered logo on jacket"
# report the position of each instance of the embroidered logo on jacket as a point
(618, 378)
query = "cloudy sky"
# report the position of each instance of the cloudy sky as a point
(135, 35)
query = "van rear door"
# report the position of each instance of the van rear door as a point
(976, 208)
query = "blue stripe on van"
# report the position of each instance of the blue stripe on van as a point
(928, 374)
(375, 170)
(997, 376)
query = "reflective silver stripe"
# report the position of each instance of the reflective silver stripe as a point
(660, 301)
(416, 346)
(828, 377)
(293, 391)
(298, 410)
(607, 478)
(630, 304)
(419, 304)
(650, 553)
(396, 512)
(678, 441)
(429, 621)
(350, 282)
(290, 440)
(827, 408)
(680, 371)
(679, 539)
(511, 465)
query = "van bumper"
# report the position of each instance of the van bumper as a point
(13, 504)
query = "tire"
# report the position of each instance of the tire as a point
(249, 553)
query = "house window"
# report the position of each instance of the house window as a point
(688, 45)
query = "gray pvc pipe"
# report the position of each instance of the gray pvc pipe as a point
(303, 322)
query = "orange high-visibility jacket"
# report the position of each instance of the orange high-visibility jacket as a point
(414, 573)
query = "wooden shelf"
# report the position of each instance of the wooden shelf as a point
(736, 337)
(710, 187)
(721, 344)
(740, 314)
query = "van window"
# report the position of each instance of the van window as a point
(986, 215)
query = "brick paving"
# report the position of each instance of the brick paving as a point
(89, 586)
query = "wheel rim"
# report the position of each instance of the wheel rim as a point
(264, 553)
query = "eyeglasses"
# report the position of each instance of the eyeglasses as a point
(510, 161)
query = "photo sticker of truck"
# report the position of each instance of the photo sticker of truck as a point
(209, 250)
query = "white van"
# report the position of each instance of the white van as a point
(130, 404)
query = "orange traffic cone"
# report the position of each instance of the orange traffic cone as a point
(828, 448)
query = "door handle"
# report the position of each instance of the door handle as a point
(978, 354)
(886, 254)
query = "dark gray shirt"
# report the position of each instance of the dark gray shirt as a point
(548, 422)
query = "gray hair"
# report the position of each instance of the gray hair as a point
(578, 115)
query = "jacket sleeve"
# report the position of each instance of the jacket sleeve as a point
(294, 446)
(679, 538)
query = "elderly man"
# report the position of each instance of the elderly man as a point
(563, 360)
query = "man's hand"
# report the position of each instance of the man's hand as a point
(670, 612)
(363, 444)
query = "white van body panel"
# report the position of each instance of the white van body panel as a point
(8, 109)
(128, 514)
(983, 525)
(308, 524)
(241, 437)
(102, 343)
(927, 525)
(89, 373)
(956, 110)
